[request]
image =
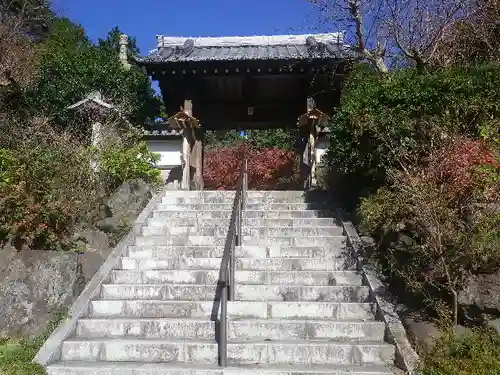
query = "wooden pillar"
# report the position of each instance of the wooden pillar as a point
(186, 149)
(197, 158)
(307, 143)
(312, 143)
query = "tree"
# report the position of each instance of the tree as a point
(71, 67)
(33, 16)
(474, 38)
(381, 30)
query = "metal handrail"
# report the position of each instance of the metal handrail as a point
(226, 283)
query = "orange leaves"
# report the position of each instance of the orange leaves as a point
(455, 166)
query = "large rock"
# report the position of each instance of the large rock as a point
(34, 285)
(495, 324)
(127, 203)
(425, 334)
(481, 296)
(96, 242)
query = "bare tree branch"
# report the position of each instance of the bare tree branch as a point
(412, 29)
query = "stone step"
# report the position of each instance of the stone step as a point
(199, 351)
(251, 199)
(236, 310)
(248, 206)
(248, 222)
(146, 328)
(241, 277)
(186, 239)
(293, 241)
(134, 368)
(239, 330)
(187, 222)
(171, 251)
(249, 192)
(191, 214)
(291, 223)
(243, 292)
(220, 231)
(287, 214)
(221, 213)
(182, 262)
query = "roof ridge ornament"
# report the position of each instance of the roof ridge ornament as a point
(188, 47)
(311, 41)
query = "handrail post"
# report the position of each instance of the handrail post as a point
(245, 183)
(223, 324)
(232, 272)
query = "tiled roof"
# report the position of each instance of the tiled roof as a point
(286, 47)
(162, 133)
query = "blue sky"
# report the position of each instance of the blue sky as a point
(144, 19)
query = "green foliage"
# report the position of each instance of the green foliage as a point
(119, 164)
(44, 188)
(485, 242)
(71, 67)
(433, 222)
(476, 353)
(8, 166)
(16, 356)
(386, 121)
(256, 138)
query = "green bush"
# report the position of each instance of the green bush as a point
(119, 164)
(45, 187)
(384, 122)
(476, 353)
(432, 221)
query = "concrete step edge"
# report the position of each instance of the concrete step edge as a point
(91, 368)
(237, 321)
(234, 342)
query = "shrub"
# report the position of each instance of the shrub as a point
(119, 164)
(432, 233)
(270, 168)
(476, 353)
(455, 167)
(47, 185)
(385, 122)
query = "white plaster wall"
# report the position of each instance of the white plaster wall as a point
(322, 146)
(170, 154)
(169, 150)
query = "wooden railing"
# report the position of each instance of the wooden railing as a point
(226, 283)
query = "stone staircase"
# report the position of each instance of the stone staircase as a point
(300, 307)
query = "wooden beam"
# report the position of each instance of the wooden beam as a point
(186, 149)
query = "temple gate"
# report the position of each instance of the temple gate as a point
(260, 82)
